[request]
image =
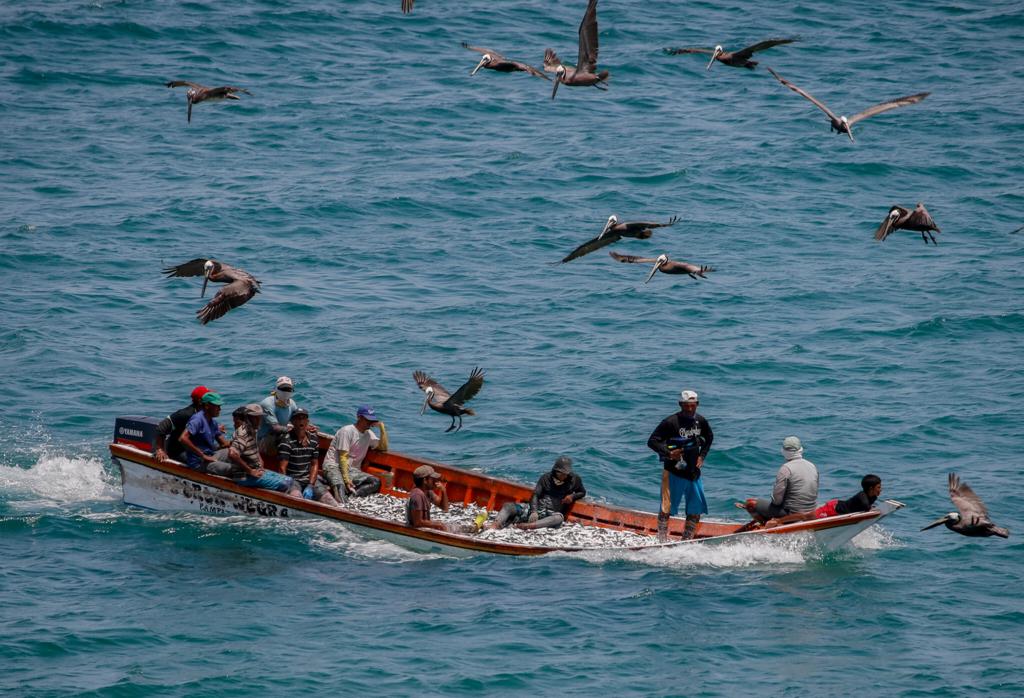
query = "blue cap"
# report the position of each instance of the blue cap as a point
(367, 412)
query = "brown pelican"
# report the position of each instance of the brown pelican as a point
(737, 59)
(438, 399)
(973, 517)
(584, 74)
(664, 265)
(900, 218)
(198, 93)
(407, 6)
(841, 124)
(614, 231)
(241, 285)
(495, 61)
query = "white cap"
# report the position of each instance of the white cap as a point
(285, 382)
(791, 444)
(688, 396)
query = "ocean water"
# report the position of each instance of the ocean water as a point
(403, 215)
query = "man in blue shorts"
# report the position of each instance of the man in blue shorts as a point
(682, 441)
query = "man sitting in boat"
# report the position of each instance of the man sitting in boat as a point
(244, 454)
(203, 435)
(344, 457)
(168, 431)
(553, 497)
(871, 489)
(428, 490)
(299, 458)
(277, 416)
(796, 486)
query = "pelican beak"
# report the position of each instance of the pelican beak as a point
(424, 407)
(937, 522)
(656, 267)
(605, 229)
(713, 57)
(206, 280)
(849, 133)
(478, 66)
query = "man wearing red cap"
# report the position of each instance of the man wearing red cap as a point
(168, 431)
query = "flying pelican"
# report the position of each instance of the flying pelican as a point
(495, 61)
(614, 231)
(198, 93)
(900, 218)
(584, 74)
(840, 124)
(438, 399)
(973, 518)
(664, 265)
(737, 59)
(241, 285)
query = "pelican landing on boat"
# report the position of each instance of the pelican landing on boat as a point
(241, 285)
(841, 124)
(198, 93)
(900, 218)
(439, 400)
(584, 73)
(972, 519)
(664, 265)
(737, 59)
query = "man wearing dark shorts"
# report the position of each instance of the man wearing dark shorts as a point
(682, 441)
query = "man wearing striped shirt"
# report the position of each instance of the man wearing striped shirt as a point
(299, 458)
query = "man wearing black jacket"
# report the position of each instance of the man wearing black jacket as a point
(168, 431)
(682, 441)
(554, 496)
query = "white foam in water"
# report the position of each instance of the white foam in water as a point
(731, 555)
(875, 538)
(60, 479)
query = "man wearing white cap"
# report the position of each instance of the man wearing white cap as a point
(682, 441)
(796, 486)
(277, 415)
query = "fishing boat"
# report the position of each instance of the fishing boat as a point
(171, 486)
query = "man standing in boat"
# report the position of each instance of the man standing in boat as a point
(682, 441)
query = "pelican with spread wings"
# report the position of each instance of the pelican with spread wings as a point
(737, 59)
(972, 519)
(453, 405)
(842, 124)
(240, 285)
(614, 231)
(198, 93)
(492, 60)
(584, 73)
(900, 218)
(664, 265)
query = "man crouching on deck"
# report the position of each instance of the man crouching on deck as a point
(429, 489)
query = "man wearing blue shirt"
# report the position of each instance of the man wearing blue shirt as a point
(203, 435)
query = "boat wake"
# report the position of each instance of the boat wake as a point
(56, 480)
(738, 554)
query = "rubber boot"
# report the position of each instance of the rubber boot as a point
(662, 527)
(691, 527)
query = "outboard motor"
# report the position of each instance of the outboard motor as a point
(139, 432)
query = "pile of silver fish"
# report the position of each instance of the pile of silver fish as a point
(462, 519)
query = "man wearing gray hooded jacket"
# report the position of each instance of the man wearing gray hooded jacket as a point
(796, 486)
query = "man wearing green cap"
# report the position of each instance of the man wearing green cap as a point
(202, 436)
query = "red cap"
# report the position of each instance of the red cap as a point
(198, 392)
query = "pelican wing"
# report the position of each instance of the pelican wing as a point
(530, 69)
(592, 245)
(587, 59)
(468, 390)
(749, 51)
(920, 218)
(480, 49)
(631, 259)
(552, 61)
(225, 91)
(424, 381)
(693, 270)
(634, 227)
(886, 106)
(407, 6)
(230, 296)
(805, 95)
(185, 83)
(191, 268)
(970, 506)
(690, 49)
(889, 223)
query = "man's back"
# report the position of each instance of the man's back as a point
(799, 477)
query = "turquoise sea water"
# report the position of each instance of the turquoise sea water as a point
(404, 216)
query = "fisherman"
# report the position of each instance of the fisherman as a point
(299, 458)
(168, 431)
(202, 436)
(796, 486)
(682, 441)
(277, 414)
(428, 490)
(553, 496)
(348, 449)
(871, 489)
(244, 454)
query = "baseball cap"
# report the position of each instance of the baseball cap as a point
(285, 383)
(425, 471)
(791, 444)
(212, 399)
(253, 409)
(199, 391)
(563, 464)
(367, 412)
(300, 412)
(688, 396)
